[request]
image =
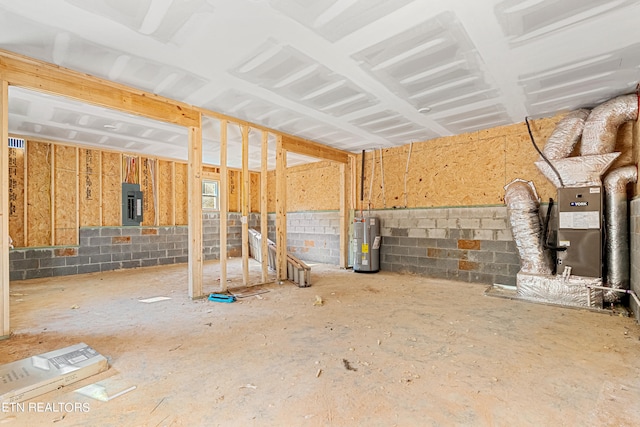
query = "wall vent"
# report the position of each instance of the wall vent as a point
(16, 143)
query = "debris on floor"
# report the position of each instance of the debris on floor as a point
(348, 366)
(27, 378)
(247, 291)
(318, 301)
(99, 392)
(154, 299)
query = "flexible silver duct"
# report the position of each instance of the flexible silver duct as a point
(617, 244)
(601, 127)
(522, 208)
(561, 142)
(566, 135)
(582, 171)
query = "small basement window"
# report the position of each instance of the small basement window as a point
(210, 195)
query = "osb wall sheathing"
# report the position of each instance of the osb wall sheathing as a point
(65, 191)
(38, 193)
(16, 196)
(464, 170)
(111, 189)
(254, 192)
(314, 186)
(89, 187)
(181, 194)
(165, 192)
(148, 188)
(235, 185)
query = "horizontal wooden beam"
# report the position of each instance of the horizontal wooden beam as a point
(37, 75)
(313, 149)
(22, 71)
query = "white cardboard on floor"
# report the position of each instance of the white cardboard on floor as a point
(27, 378)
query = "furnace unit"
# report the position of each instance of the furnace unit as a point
(580, 231)
(366, 240)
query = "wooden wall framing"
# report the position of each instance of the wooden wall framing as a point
(32, 74)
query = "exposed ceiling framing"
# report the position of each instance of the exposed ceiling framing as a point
(349, 74)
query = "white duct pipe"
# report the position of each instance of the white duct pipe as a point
(601, 127)
(617, 243)
(522, 207)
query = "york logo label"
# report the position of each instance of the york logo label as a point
(579, 203)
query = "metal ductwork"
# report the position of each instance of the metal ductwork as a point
(617, 243)
(601, 127)
(523, 206)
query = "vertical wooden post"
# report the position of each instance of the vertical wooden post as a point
(344, 219)
(224, 204)
(281, 210)
(245, 205)
(263, 207)
(195, 210)
(4, 210)
(25, 217)
(173, 194)
(52, 193)
(77, 228)
(156, 190)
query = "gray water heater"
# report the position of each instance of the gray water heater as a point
(366, 240)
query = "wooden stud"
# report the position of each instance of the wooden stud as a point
(195, 211)
(77, 227)
(245, 205)
(344, 223)
(224, 204)
(4, 210)
(281, 210)
(100, 187)
(263, 207)
(52, 193)
(25, 169)
(173, 193)
(156, 190)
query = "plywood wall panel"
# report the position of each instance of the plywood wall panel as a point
(16, 197)
(181, 194)
(111, 189)
(65, 190)
(148, 188)
(254, 192)
(38, 194)
(235, 183)
(165, 192)
(89, 187)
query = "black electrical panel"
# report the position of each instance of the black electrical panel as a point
(131, 204)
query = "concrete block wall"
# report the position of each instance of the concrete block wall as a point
(471, 244)
(634, 243)
(312, 236)
(114, 248)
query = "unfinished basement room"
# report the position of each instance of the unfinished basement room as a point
(319, 213)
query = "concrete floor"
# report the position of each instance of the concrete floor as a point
(382, 350)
